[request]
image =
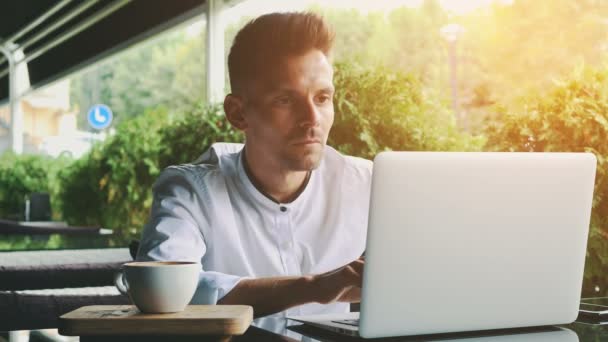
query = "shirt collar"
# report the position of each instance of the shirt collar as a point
(265, 201)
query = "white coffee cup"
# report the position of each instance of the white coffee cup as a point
(158, 286)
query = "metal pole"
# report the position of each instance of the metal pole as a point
(460, 115)
(451, 33)
(106, 11)
(15, 113)
(214, 51)
(38, 21)
(35, 23)
(114, 6)
(67, 17)
(453, 80)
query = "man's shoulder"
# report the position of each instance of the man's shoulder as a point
(218, 161)
(219, 152)
(359, 163)
(189, 170)
(351, 164)
(189, 175)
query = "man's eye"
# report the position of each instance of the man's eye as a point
(323, 98)
(283, 100)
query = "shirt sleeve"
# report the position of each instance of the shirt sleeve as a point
(173, 233)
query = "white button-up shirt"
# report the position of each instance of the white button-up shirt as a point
(210, 212)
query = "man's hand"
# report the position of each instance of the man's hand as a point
(342, 284)
(274, 294)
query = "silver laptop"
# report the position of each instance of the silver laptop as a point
(472, 241)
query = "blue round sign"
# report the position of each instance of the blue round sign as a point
(100, 116)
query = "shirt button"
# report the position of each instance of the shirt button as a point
(283, 209)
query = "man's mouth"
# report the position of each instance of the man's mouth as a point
(307, 142)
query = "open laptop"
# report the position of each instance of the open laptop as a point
(471, 241)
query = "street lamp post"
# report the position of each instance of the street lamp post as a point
(451, 33)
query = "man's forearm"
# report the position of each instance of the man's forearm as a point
(273, 294)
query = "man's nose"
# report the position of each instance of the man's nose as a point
(309, 114)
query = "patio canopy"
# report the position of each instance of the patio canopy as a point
(118, 24)
(57, 37)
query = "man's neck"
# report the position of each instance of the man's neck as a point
(279, 185)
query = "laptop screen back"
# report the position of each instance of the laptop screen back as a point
(475, 241)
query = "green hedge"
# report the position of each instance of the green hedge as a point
(379, 109)
(112, 185)
(572, 117)
(21, 175)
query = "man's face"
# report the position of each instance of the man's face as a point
(289, 112)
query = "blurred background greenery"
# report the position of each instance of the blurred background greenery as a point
(530, 76)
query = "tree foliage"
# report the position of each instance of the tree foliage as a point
(22, 175)
(112, 185)
(406, 39)
(379, 109)
(166, 71)
(525, 45)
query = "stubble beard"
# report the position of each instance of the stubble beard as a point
(308, 162)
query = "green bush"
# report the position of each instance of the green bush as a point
(573, 117)
(103, 188)
(378, 109)
(186, 139)
(112, 185)
(21, 175)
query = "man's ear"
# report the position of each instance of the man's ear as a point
(234, 109)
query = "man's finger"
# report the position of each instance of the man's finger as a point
(356, 268)
(358, 264)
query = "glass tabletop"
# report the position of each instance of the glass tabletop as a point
(286, 330)
(271, 329)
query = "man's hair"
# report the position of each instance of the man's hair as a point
(268, 39)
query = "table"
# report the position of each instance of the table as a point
(8, 227)
(36, 287)
(42, 235)
(279, 329)
(54, 269)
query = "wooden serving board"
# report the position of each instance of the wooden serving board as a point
(218, 320)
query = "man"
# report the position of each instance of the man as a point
(280, 223)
